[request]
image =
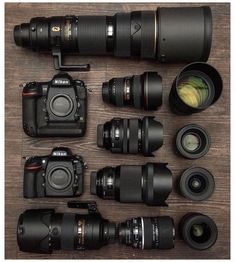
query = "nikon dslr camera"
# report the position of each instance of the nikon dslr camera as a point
(55, 108)
(57, 175)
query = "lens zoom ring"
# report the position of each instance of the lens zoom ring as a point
(67, 232)
(148, 34)
(92, 35)
(118, 86)
(123, 35)
(133, 135)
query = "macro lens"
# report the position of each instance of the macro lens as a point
(141, 91)
(198, 231)
(148, 232)
(122, 135)
(196, 87)
(192, 141)
(167, 35)
(197, 184)
(43, 230)
(150, 183)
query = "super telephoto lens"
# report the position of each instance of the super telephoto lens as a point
(196, 87)
(198, 231)
(43, 230)
(168, 35)
(192, 141)
(122, 135)
(141, 91)
(148, 232)
(150, 183)
(197, 183)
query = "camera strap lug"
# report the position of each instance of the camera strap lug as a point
(90, 206)
(57, 56)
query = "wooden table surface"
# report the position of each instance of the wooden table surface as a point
(24, 65)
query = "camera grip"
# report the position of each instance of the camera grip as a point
(30, 190)
(29, 115)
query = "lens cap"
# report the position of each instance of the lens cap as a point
(197, 184)
(152, 138)
(100, 131)
(192, 141)
(93, 178)
(198, 231)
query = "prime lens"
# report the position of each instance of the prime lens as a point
(167, 34)
(196, 87)
(198, 231)
(148, 232)
(150, 183)
(122, 135)
(140, 91)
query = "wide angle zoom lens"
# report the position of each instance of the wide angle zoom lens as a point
(198, 231)
(122, 135)
(140, 91)
(148, 232)
(150, 183)
(196, 87)
(43, 230)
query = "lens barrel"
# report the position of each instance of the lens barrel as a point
(198, 231)
(43, 230)
(196, 87)
(122, 135)
(150, 183)
(148, 232)
(168, 34)
(140, 91)
(192, 141)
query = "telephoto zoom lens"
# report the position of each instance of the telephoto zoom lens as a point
(167, 35)
(150, 183)
(196, 87)
(148, 232)
(122, 135)
(140, 91)
(198, 231)
(44, 230)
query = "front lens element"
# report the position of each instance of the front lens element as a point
(191, 142)
(193, 90)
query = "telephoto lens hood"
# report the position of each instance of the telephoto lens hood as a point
(192, 141)
(198, 231)
(140, 91)
(196, 183)
(196, 87)
(150, 183)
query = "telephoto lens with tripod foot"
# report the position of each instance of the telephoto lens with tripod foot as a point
(150, 183)
(167, 35)
(134, 135)
(140, 91)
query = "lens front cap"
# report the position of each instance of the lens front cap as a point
(197, 184)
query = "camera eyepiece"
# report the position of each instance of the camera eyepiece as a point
(196, 87)
(122, 135)
(150, 183)
(198, 231)
(192, 141)
(140, 91)
(148, 232)
(197, 184)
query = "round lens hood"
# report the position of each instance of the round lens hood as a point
(205, 73)
(192, 141)
(197, 184)
(198, 231)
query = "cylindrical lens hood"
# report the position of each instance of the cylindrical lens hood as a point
(191, 225)
(184, 34)
(211, 77)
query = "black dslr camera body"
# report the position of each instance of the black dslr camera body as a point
(59, 174)
(55, 108)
